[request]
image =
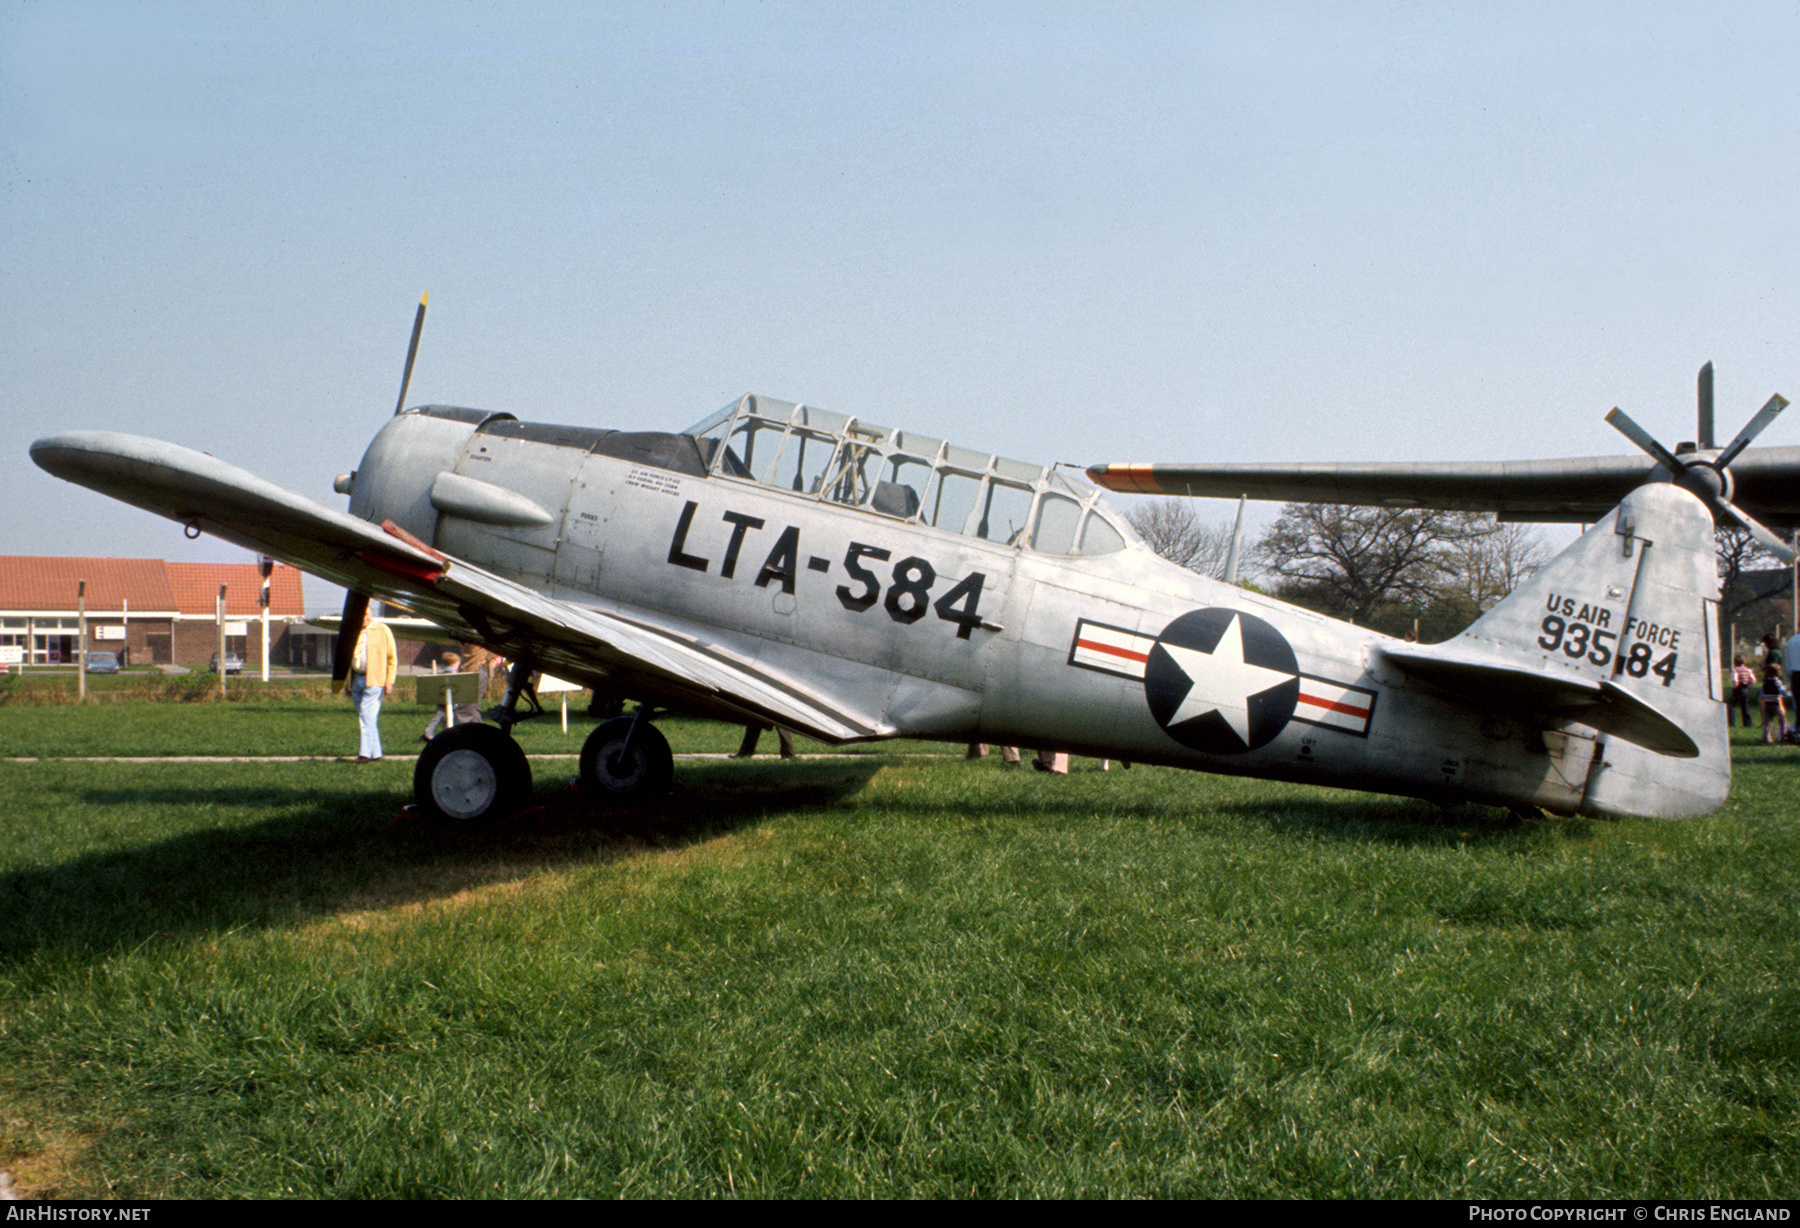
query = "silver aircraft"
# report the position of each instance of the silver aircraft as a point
(779, 564)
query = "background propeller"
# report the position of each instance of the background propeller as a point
(1709, 478)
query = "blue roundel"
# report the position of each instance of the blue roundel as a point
(1221, 681)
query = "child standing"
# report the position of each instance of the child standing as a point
(1742, 683)
(1774, 703)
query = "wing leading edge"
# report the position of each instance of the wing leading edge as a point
(659, 658)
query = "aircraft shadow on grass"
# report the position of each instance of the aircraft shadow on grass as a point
(331, 851)
(1405, 824)
(325, 852)
(1398, 822)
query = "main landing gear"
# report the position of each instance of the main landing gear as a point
(474, 775)
(626, 759)
(471, 776)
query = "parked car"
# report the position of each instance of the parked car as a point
(234, 664)
(103, 663)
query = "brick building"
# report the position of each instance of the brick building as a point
(150, 611)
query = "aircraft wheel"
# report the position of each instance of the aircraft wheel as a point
(608, 770)
(471, 775)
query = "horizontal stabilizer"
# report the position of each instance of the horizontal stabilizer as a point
(1600, 704)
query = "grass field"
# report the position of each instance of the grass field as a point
(871, 976)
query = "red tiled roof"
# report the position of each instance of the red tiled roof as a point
(152, 586)
(39, 582)
(196, 587)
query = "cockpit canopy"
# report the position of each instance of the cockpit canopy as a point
(909, 477)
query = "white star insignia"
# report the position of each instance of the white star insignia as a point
(1222, 681)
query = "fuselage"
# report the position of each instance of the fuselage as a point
(950, 594)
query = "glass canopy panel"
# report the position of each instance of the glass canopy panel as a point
(963, 458)
(902, 487)
(769, 407)
(822, 420)
(1098, 536)
(1004, 512)
(917, 445)
(805, 458)
(1057, 520)
(1018, 471)
(953, 501)
(753, 449)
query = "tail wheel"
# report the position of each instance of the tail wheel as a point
(611, 768)
(471, 775)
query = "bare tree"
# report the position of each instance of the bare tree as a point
(1490, 560)
(1350, 560)
(1747, 574)
(1170, 527)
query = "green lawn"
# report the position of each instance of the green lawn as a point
(867, 976)
(307, 720)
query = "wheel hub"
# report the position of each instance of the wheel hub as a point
(625, 769)
(464, 784)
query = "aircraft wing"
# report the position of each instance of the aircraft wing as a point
(647, 657)
(1579, 491)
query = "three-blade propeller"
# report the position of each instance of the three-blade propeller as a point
(412, 352)
(349, 631)
(355, 603)
(1709, 478)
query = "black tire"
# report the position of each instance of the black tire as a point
(471, 776)
(645, 772)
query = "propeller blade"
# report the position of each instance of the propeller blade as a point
(355, 606)
(412, 352)
(1618, 420)
(1764, 416)
(1764, 537)
(1703, 395)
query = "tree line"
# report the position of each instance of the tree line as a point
(1397, 569)
(1392, 569)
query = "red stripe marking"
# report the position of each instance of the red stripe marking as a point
(1142, 476)
(414, 542)
(1097, 646)
(407, 569)
(1330, 706)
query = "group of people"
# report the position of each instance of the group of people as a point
(1055, 762)
(1774, 686)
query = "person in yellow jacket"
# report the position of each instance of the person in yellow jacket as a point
(372, 671)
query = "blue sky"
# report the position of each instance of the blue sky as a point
(1062, 232)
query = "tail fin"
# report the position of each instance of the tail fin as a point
(1617, 633)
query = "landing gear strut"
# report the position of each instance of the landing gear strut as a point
(626, 759)
(470, 776)
(519, 685)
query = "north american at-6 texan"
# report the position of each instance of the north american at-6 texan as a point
(777, 563)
